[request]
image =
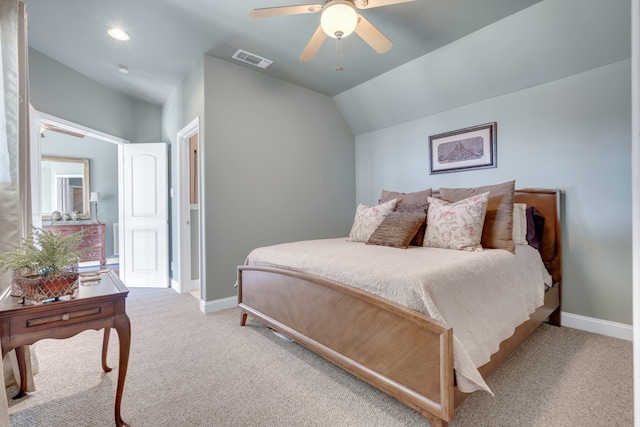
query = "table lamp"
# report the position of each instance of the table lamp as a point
(95, 197)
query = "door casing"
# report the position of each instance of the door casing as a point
(183, 283)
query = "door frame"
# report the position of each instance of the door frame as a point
(87, 131)
(184, 208)
(635, 193)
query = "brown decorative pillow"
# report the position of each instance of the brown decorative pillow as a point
(418, 239)
(411, 202)
(408, 198)
(397, 229)
(498, 224)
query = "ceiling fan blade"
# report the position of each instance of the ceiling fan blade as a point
(314, 44)
(267, 12)
(369, 4)
(47, 126)
(372, 35)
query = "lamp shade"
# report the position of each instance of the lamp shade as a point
(95, 197)
(339, 19)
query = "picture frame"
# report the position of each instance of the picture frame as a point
(465, 149)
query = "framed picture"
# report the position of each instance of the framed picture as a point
(464, 149)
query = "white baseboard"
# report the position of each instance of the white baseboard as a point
(175, 285)
(218, 305)
(597, 326)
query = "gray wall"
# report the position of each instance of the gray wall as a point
(572, 133)
(184, 105)
(103, 173)
(278, 167)
(62, 92)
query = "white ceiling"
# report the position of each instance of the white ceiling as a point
(169, 37)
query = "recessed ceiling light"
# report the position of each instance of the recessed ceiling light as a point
(123, 69)
(119, 34)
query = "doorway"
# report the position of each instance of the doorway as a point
(135, 164)
(189, 211)
(52, 135)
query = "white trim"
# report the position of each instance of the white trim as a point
(116, 238)
(184, 207)
(74, 127)
(35, 126)
(597, 326)
(218, 304)
(195, 284)
(635, 198)
(175, 285)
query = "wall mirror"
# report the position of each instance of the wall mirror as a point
(65, 186)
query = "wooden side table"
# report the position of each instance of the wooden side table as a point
(97, 305)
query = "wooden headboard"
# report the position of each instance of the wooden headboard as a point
(547, 202)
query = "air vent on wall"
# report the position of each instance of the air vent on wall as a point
(250, 58)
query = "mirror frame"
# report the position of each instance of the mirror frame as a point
(86, 213)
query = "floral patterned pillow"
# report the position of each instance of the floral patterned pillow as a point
(368, 219)
(456, 225)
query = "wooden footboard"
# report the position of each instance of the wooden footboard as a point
(397, 350)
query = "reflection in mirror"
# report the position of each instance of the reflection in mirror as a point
(65, 186)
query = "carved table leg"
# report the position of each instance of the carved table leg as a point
(123, 327)
(105, 347)
(22, 368)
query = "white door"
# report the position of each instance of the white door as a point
(144, 218)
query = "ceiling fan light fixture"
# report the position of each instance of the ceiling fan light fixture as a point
(339, 19)
(119, 34)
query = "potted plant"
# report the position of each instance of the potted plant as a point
(45, 266)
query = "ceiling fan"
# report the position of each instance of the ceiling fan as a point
(338, 19)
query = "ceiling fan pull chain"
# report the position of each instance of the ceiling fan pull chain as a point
(339, 53)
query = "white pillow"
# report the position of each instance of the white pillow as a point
(368, 218)
(456, 225)
(520, 224)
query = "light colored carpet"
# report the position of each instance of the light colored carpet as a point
(191, 369)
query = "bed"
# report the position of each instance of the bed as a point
(400, 350)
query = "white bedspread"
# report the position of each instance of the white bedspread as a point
(483, 295)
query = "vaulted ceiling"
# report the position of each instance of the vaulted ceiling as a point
(169, 37)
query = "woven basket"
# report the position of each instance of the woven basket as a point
(30, 286)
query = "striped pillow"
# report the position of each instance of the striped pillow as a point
(397, 229)
(418, 239)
